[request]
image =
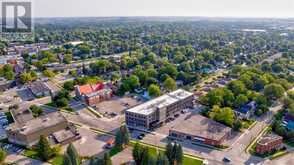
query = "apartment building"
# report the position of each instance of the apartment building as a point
(157, 111)
(268, 143)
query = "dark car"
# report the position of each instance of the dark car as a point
(177, 115)
(226, 160)
(141, 136)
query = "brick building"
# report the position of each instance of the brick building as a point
(93, 94)
(268, 143)
(28, 133)
(199, 129)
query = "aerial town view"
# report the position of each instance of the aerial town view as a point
(145, 82)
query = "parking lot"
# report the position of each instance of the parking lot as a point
(91, 143)
(77, 105)
(10, 148)
(116, 106)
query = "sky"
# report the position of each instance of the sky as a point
(208, 8)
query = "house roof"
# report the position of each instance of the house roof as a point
(246, 108)
(38, 86)
(85, 89)
(88, 89)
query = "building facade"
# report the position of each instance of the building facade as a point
(28, 134)
(157, 111)
(269, 143)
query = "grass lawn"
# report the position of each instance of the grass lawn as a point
(57, 160)
(247, 123)
(114, 151)
(278, 154)
(31, 154)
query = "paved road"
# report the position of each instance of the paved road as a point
(22, 160)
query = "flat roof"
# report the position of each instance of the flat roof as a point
(39, 123)
(198, 125)
(159, 102)
(63, 135)
(21, 115)
(264, 140)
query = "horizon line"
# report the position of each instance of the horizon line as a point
(158, 16)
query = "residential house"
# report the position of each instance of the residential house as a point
(39, 89)
(246, 111)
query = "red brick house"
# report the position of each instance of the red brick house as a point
(268, 143)
(93, 94)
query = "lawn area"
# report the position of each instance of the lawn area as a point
(247, 123)
(57, 160)
(114, 151)
(31, 154)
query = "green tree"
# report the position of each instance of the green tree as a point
(237, 87)
(169, 152)
(125, 134)
(137, 153)
(240, 100)
(122, 137)
(44, 150)
(37, 111)
(2, 155)
(215, 97)
(69, 85)
(48, 73)
(25, 77)
(223, 115)
(170, 84)
(274, 91)
(154, 90)
(9, 75)
(178, 153)
(67, 58)
(71, 155)
(237, 125)
(106, 159)
(162, 159)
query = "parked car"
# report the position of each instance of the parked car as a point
(110, 143)
(141, 136)
(226, 160)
